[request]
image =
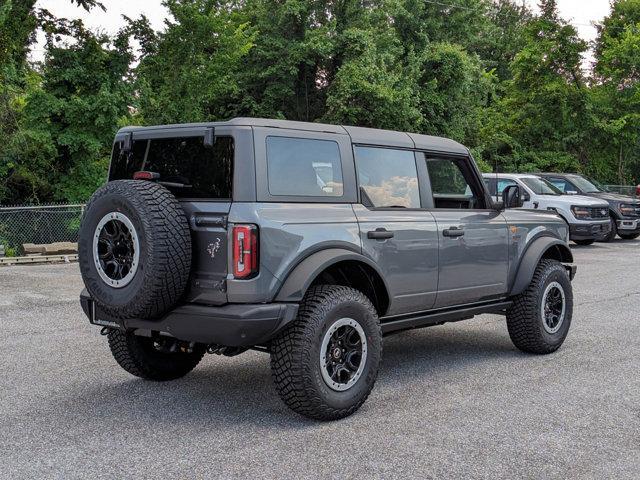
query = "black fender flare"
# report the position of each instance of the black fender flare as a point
(303, 274)
(532, 256)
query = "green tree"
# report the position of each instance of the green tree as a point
(61, 150)
(616, 94)
(544, 119)
(189, 72)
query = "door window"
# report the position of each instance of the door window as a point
(504, 183)
(388, 177)
(452, 184)
(560, 184)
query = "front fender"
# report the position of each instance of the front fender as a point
(303, 275)
(532, 256)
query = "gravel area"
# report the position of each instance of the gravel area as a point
(453, 401)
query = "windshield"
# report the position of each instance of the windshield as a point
(540, 186)
(585, 186)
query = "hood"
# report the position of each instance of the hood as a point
(579, 200)
(615, 197)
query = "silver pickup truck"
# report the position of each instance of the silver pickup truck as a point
(309, 242)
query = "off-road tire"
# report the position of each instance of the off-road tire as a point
(612, 233)
(584, 243)
(628, 236)
(165, 249)
(136, 355)
(524, 319)
(295, 353)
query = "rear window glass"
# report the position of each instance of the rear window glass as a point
(304, 167)
(186, 166)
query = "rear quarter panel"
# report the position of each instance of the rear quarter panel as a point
(290, 232)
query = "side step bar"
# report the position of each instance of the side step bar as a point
(438, 317)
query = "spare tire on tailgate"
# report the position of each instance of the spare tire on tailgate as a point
(134, 249)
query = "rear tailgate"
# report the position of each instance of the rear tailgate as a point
(200, 175)
(208, 222)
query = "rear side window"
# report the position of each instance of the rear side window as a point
(388, 177)
(304, 167)
(186, 166)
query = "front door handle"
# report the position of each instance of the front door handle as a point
(453, 232)
(380, 234)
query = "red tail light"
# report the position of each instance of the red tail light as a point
(245, 251)
(144, 175)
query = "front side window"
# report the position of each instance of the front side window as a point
(504, 183)
(560, 184)
(540, 186)
(304, 167)
(184, 165)
(451, 184)
(388, 177)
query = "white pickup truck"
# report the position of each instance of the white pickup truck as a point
(588, 218)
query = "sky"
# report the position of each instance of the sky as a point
(580, 13)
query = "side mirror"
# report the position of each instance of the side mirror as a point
(511, 197)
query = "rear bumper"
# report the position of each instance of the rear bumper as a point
(589, 231)
(231, 325)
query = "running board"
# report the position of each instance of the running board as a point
(438, 317)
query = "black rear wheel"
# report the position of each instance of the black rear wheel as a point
(325, 363)
(154, 358)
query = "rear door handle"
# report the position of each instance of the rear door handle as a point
(453, 232)
(380, 234)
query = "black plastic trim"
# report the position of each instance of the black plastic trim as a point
(437, 317)
(231, 325)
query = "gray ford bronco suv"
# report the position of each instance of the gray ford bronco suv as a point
(309, 242)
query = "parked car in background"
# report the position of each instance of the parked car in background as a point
(624, 210)
(587, 217)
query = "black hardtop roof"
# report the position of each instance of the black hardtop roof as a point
(359, 135)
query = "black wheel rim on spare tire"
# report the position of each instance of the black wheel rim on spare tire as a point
(116, 249)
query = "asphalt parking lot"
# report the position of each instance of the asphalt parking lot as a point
(453, 401)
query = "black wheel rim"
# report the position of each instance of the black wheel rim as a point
(343, 354)
(553, 307)
(116, 250)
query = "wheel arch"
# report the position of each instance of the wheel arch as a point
(542, 247)
(338, 267)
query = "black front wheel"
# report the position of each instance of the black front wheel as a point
(325, 363)
(540, 317)
(584, 242)
(612, 233)
(629, 236)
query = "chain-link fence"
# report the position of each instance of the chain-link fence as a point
(38, 224)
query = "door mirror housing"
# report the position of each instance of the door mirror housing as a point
(511, 197)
